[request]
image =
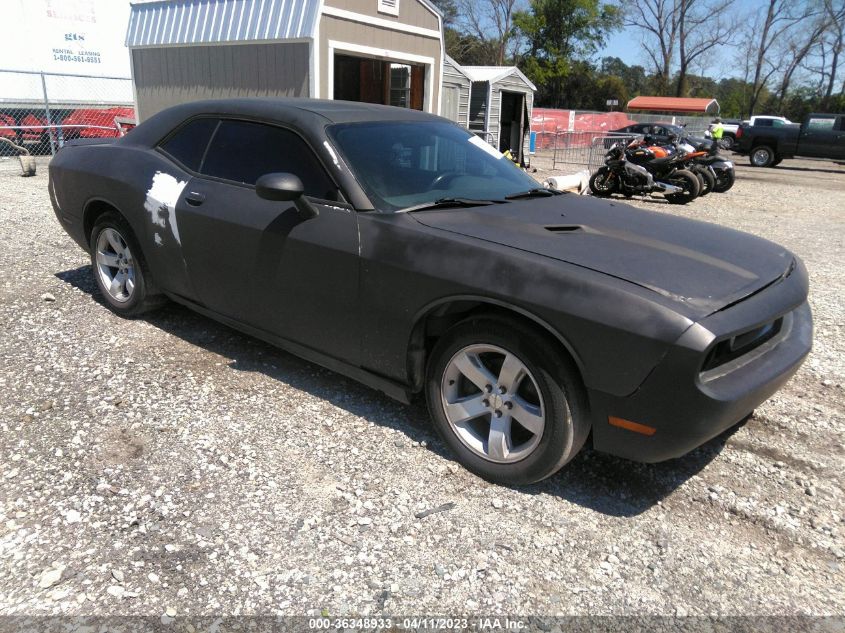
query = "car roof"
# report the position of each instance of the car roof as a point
(306, 114)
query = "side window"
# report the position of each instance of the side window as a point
(243, 151)
(821, 124)
(188, 143)
(764, 123)
(777, 123)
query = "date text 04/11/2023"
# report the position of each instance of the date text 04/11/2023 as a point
(418, 623)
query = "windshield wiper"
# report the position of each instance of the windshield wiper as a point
(534, 193)
(445, 203)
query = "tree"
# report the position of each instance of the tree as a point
(766, 32)
(449, 10)
(633, 77)
(491, 22)
(701, 28)
(558, 35)
(835, 14)
(658, 22)
(796, 51)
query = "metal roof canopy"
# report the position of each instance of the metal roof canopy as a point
(168, 22)
(674, 104)
(208, 21)
(493, 73)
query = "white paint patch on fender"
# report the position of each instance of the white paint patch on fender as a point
(161, 201)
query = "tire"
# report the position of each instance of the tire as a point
(603, 183)
(119, 268)
(727, 142)
(762, 156)
(724, 180)
(707, 180)
(548, 395)
(777, 161)
(687, 180)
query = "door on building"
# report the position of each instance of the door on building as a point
(512, 123)
(379, 81)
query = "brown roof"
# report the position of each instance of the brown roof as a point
(674, 104)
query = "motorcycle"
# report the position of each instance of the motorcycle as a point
(723, 170)
(638, 171)
(689, 157)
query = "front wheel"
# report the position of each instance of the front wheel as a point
(119, 269)
(688, 183)
(510, 406)
(724, 180)
(603, 183)
(762, 156)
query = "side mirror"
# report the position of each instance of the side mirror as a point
(282, 187)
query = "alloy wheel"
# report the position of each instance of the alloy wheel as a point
(493, 403)
(115, 265)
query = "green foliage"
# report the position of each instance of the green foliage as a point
(559, 36)
(557, 39)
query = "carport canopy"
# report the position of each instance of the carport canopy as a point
(674, 104)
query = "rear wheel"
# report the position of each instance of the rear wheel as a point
(706, 180)
(510, 407)
(688, 183)
(603, 183)
(762, 156)
(119, 268)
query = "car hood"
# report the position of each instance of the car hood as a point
(700, 267)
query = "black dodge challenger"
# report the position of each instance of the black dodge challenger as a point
(398, 249)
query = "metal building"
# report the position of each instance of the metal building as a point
(455, 92)
(495, 102)
(376, 51)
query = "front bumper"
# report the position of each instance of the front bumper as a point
(687, 406)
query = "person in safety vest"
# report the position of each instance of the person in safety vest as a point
(716, 132)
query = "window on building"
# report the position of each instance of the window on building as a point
(400, 85)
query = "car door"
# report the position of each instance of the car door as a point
(819, 137)
(257, 261)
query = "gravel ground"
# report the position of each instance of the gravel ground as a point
(171, 465)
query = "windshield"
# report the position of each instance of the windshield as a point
(407, 164)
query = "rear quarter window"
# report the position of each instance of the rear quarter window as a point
(187, 144)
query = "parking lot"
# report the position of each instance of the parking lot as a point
(171, 465)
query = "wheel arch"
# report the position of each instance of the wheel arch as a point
(93, 209)
(433, 320)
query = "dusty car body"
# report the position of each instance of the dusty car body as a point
(530, 320)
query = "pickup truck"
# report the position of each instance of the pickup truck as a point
(819, 136)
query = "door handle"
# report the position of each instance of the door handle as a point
(194, 198)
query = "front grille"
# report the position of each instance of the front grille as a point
(739, 345)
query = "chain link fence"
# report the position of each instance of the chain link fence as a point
(39, 112)
(573, 140)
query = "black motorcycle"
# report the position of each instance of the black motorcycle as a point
(723, 170)
(637, 171)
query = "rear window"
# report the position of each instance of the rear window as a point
(187, 144)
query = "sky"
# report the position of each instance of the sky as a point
(626, 44)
